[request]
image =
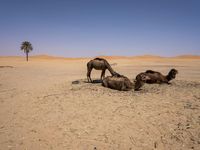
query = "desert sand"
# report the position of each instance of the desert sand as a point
(40, 108)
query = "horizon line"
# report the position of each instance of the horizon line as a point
(110, 56)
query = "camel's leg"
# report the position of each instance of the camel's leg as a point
(103, 74)
(166, 81)
(89, 70)
(124, 87)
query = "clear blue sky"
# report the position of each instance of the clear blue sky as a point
(73, 28)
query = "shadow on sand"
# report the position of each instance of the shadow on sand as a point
(6, 67)
(85, 81)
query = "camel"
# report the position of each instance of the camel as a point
(118, 82)
(151, 76)
(99, 64)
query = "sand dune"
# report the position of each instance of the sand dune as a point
(40, 108)
(108, 57)
(188, 57)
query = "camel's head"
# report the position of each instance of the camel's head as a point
(138, 84)
(172, 73)
(140, 80)
(115, 74)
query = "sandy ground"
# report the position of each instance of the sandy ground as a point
(41, 110)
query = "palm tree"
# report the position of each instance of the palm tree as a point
(26, 47)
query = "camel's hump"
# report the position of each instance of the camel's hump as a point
(99, 58)
(150, 71)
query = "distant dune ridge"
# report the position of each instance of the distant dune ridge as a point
(189, 56)
(110, 57)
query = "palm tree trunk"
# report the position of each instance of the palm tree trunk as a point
(26, 56)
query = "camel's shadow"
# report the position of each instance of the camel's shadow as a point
(85, 81)
(94, 81)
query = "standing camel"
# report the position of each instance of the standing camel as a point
(99, 64)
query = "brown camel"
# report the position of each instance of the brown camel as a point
(99, 64)
(118, 82)
(151, 76)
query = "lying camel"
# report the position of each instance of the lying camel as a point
(118, 82)
(99, 64)
(151, 76)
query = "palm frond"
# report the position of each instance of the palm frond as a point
(26, 46)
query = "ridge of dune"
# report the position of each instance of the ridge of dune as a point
(45, 56)
(112, 57)
(147, 56)
(188, 56)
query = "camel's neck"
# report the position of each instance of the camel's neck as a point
(110, 68)
(169, 77)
